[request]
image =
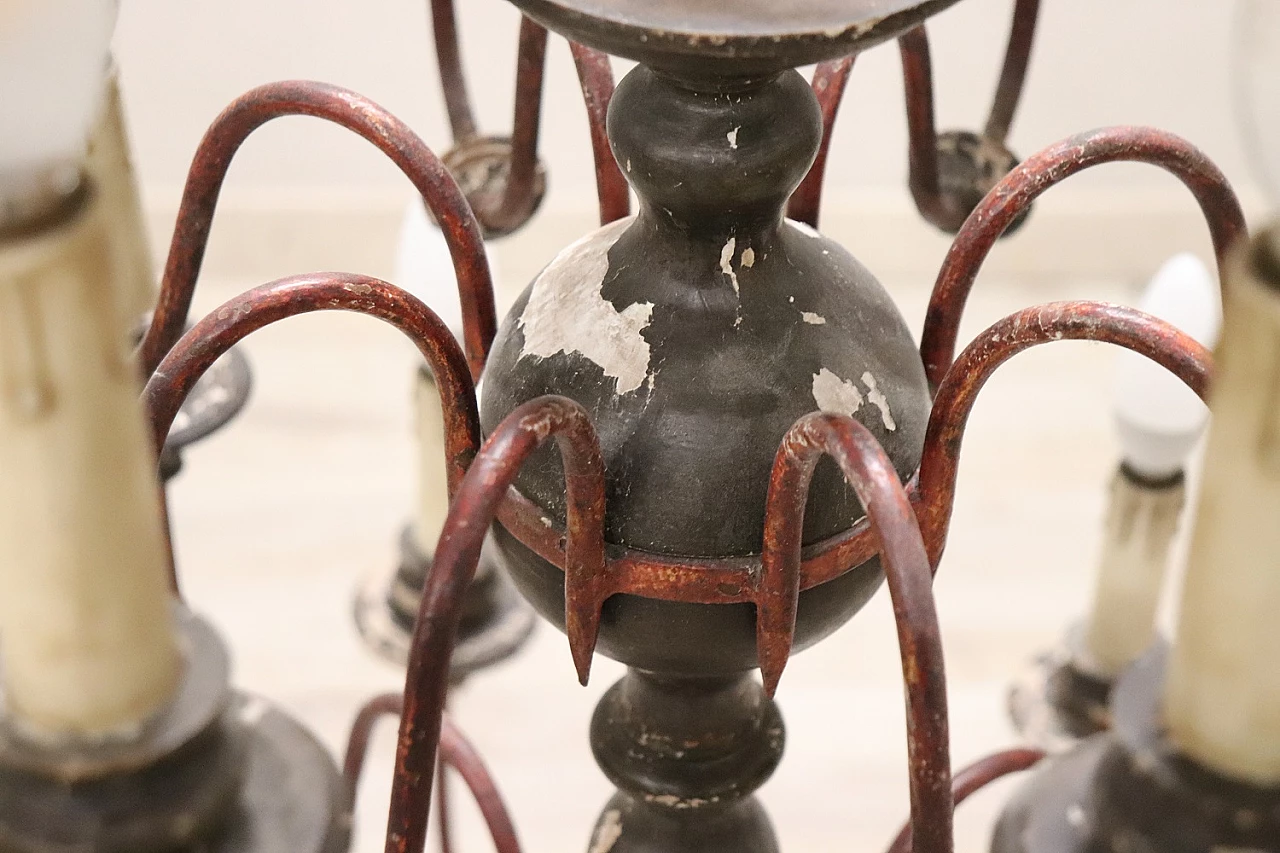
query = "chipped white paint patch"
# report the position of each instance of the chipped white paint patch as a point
(608, 833)
(877, 398)
(726, 262)
(566, 313)
(732, 136)
(812, 318)
(748, 257)
(836, 395)
(662, 799)
(679, 804)
(726, 267)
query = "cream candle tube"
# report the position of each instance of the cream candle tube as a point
(110, 165)
(87, 644)
(1140, 526)
(1222, 696)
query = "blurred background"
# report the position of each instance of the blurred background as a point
(300, 186)
(280, 518)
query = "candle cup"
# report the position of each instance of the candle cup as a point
(214, 771)
(1132, 788)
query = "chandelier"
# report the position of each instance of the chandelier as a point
(699, 442)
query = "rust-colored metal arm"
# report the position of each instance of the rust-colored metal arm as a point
(596, 76)
(922, 132)
(1019, 188)
(518, 196)
(453, 80)
(829, 82)
(473, 509)
(364, 118)
(906, 566)
(1082, 321)
(974, 778)
(455, 752)
(210, 338)
(1013, 75)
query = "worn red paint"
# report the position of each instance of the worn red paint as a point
(444, 27)
(974, 778)
(456, 753)
(456, 555)
(829, 82)
(225, 326)
(1013, 74)
(518, 196)
(1014, 194)
(906, 565)
(368, 120)
(1088, 321)
(595, 74)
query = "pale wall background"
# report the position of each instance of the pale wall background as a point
(305, 193)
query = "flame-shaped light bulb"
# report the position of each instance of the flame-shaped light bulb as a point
(1158, 417)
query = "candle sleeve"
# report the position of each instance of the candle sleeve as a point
(87, 644)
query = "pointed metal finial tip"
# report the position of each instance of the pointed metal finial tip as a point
(772, 674)
(582, 663)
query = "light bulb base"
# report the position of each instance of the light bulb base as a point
(32, 200)
(1153, 482)
(1130, 789)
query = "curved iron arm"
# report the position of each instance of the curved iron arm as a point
(924, 178)
(364, 118)
(210, 338)
(596, 76)
(1013, 74)
(518, 196)
(974, 778)
(1019, 188)
(444, 26)
(922, 131)
(941, 209)
(906, 567)
(829, 82)
(1146, 335)
(455, 751)
(473, 509)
